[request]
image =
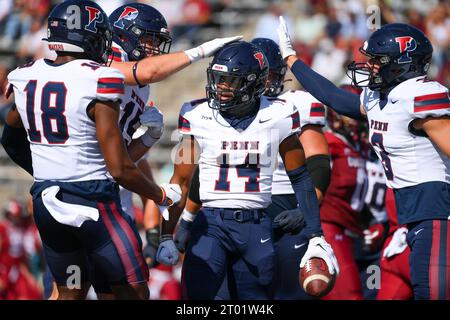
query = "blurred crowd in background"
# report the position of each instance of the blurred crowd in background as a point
(327, 34)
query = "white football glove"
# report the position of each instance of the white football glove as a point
(209, 48)
(398, 243)
(285, 42)
(172, 193)
(153, 119)
(319, 248)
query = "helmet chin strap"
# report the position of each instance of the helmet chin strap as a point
(242, 111)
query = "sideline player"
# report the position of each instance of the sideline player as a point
(69, 108)
(408, 119)
(231, 234)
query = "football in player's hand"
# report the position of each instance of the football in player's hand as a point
(315, 278)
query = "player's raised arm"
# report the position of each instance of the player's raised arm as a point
(322, 89)
(157, 68)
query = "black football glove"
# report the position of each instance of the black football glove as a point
(182, 235)
(289, 220)
(150, 249)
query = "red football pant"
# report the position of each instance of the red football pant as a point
(348, 284)
(395, 276)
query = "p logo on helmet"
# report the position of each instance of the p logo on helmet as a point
(94, 17)
(129, 13)
(260, 57)
(407, 44)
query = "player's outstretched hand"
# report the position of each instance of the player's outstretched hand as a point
(285, 42)
(209, 48)
(319, 248)
(172, 195)
(289, 220)
(398, 243)
(167, 252)
(153, 119)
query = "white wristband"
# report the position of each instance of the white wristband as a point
(187, 216)
(194, 54)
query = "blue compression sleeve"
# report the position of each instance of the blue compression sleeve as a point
(340, 100)
(17, 146)
(307, 200)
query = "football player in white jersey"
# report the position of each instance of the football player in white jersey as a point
(141, 36)
(289, 244)
(69, 108)
(409, 126)
(236, 135)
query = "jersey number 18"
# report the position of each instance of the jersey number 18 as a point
(50, 113)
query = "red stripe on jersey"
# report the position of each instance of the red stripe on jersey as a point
(110, 80)
(432, 96)
(114, 58)
(317, 110)
(433, 107)
(433, 275)
(295, 120)
(111, 90)
(184, 124)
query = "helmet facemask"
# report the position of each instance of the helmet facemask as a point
(365, 74)
(146, 43)
(390, 72)
(275, 82)
(100, 51)
(234, 94)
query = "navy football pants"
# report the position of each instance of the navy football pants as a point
(289, 250)
(429, 241)
(220, 244)
(112, 243)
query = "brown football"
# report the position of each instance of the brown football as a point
(315, 278)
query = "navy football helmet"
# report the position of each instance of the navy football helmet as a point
(403, 52)
(136, 24)
(80, 26)
(277, 66)
(236, 78)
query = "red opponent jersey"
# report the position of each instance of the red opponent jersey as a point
(344, 198)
